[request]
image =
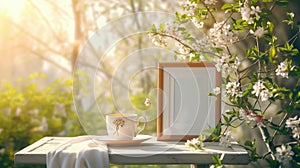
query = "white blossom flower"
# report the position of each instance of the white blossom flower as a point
(158, 40)
(225, 65)
(265, 95)
(250, 116)
(284, 154)
(259, 90)
(203, 44)
(183, 49)
(204, 41)
(184, 52)
(201, 57)
(214, 166)
(282, 70)
(259, 32)
(192, 55)
(210, 2)
(245, 12)
(217, 90)
(258, 87)
(147, 102)
(195, 143)
(292, 122)
(255, 10)
(233, 89)
(189, 7)
(224, 59)
(199, 24)
(188, 4)
(296, 132)
(226, 139)
(221, 35)
(249, 13)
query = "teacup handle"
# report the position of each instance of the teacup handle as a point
(138, 122)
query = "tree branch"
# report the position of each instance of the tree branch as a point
(77, 32)
(46, 45)
(45, 20)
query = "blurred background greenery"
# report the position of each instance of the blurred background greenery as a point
(40, 41)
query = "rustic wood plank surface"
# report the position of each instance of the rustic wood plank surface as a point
(149, 152)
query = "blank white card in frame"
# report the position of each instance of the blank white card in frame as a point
(188, 110)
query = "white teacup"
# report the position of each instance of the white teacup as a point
(123, 126)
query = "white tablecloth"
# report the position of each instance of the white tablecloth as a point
(79, 152)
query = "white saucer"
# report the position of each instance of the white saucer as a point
(136, 140)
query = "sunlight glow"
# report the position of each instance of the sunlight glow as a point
(12, 8)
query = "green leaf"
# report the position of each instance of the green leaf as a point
(209, 130)
(226, 119)
(162, 28)
(152, 30)
(248, 143)
(217, 160)
(216, 132)
(272, 54)
(288, 50)
(182, 18)
(282, 2)
(290, 20)
(230, 7)
(201, 137)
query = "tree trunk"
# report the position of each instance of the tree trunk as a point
(77, 32)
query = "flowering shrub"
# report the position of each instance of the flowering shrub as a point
(196, 143)
(255, 81)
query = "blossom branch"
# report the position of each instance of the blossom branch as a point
(250, 66)
(264, 133)
(247, 91)
(175, 38)
(270, 103)
(294, 38)
(209, 11)
(280, 123)
(183, 43)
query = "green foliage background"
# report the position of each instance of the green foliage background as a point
(29, 112)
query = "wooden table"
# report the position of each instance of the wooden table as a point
(149, 152)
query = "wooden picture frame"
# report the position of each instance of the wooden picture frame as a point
(184, 107)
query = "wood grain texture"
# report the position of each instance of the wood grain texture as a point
(160, 110)
(149, 152)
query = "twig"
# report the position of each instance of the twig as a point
(267, 107)
(211, 14)
(249, 66)
(46, 21)
(264, 133)
(53, 3)
(50, 61)
(46, 45)
(294, 38)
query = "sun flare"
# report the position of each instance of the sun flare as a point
(12, 8)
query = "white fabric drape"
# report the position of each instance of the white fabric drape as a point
(79, 152)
